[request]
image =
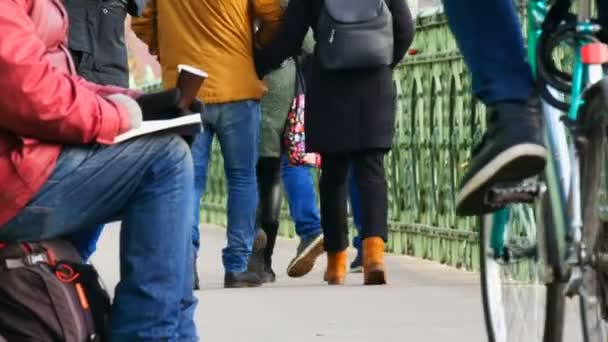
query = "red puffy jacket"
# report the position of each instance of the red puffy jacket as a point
(43, 104)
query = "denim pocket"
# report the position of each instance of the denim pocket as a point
(33, 223)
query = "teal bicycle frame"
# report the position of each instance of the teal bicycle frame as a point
(561, 173)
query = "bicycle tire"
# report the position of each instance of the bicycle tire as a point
(592, 300)
(549, 304)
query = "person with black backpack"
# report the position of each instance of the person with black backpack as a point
(350, 111)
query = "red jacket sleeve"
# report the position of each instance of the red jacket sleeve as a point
(39, 101)
(106, 90)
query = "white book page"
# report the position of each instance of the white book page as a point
(152, 126)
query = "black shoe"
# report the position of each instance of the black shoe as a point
(268, 275)
(197, 285)
(357, 265)
(256, 260)
(242, 279)
(307, 253)
(512, 149)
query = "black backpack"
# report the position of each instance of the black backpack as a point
(48, 294)
(354, 34)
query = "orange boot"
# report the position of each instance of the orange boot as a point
(374, 271)
(336, 268)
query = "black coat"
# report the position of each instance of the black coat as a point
(96, 38)
(347, 110)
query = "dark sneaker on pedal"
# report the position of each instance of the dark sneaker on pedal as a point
(242, 279)
(512, 149)
(357, 265)
(307, 253)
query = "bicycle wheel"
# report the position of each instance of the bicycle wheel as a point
(592, 163)
(518, 305)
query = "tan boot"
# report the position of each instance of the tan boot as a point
(336, 268)
(374, 271)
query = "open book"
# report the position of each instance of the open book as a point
(183, 125)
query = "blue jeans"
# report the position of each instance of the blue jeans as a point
(146, 183)
(490, 38)
(237, 126)
(355, 206)
(85, 241)
(302, 198)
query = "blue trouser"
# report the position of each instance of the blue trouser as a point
(355, 206)
(85, 241)
(237, 126)
(302, 198)
(147, 183)
(490, 38)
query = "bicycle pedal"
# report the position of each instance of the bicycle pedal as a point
(503, 194)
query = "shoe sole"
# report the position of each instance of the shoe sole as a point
(303, 263)
(375, 277)
(335, 282)
(514, 164)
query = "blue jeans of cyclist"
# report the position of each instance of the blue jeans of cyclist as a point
(147, 183)
(237, 126)
(490, 37)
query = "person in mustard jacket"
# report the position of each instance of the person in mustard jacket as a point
(217, 37)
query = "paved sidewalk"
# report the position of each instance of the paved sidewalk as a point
(424, 301)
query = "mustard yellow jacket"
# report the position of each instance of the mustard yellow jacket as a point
(212, 35)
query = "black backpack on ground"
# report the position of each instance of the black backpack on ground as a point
(48, 294)
(354, 34)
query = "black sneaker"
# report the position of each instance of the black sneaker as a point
(512, 149)
(357, 265)
(307, 253)
(242, 279)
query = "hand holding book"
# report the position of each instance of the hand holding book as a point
(175, 109)
(174, 102)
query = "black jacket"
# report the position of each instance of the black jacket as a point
(97, 38)
(347, 110)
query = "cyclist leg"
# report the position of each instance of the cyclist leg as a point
(490, 38)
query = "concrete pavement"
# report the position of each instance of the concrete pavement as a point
(424, 301)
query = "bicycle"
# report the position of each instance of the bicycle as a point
(547, 242)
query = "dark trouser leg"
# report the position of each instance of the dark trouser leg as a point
(603, 16)
(333, 191)
(269, 209)
(490, 38)
(355, 206)
(371, 183)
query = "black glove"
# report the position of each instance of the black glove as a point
(161, 105)
(196, 107)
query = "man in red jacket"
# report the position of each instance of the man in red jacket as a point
(60, 172)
